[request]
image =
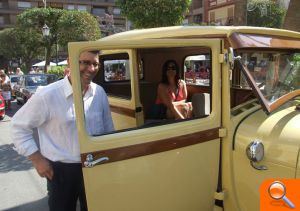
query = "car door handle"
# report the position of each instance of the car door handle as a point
(90, 162)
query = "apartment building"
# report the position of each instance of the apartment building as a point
(196, 12)
(219, 12)
(108, 15)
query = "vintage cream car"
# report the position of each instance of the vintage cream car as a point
(244, 130)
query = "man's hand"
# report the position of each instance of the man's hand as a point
(42, 165)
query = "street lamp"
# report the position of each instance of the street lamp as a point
(46, 32)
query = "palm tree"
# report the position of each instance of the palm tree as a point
(292, 17)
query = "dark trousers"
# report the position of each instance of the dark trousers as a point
(66, 187)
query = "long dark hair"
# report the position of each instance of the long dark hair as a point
(164, 77)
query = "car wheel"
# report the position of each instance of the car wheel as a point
(24, 100)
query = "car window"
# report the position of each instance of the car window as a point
(14, 79)
(115, 71)
(116, 81)
(197, 69)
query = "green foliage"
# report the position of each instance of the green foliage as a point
(273, 18)
(57, 70)
(77, 26)
(16, 43)
(154, 13)
(26, 41)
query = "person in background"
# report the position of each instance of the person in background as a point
(19, 71)
(6, 89)
(172, 92)
(10, 72)
(32, 71)
(7, 80)
(58, 158)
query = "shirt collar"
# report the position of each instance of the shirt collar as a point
(69, 91)
(67, 87)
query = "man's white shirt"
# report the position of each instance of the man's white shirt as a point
(51, 110)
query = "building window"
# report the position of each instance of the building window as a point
(82, 8)
(98, 11)
(117, 11)
(56, 5)
(198, 18)
(24, 4)
(71, 7)
(230, 12)
(1, 20)
(212, 17)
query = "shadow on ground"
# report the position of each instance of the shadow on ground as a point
(11, 161)
(40, 205)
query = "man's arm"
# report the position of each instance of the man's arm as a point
(41, 164)
(33, 114)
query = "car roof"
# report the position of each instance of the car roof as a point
(197, 32)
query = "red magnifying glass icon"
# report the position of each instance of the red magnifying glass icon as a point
(277, 191)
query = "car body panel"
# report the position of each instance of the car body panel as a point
(139, 159)
(140, 166)
(278, 133)
(24, 90)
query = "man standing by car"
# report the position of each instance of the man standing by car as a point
(51, 111)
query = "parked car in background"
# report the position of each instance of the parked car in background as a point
(13, 81)
(28, 84)
(2, 107)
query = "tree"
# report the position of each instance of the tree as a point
(31, 22)
(150, 13)
(21, 45)
(65, 26)
(77, 26)
(265, 13)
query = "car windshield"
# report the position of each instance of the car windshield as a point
(275, 73)
(38, 80)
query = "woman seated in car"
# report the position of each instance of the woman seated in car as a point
(172, 93)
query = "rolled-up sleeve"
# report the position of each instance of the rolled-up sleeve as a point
(31, 115)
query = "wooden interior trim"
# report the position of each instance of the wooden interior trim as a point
(255, 89)
(123, 111)
(283, 99)
(138, 150)
(262, 41)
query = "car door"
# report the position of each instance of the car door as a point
(166, 167)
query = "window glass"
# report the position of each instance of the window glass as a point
(1, 5)
(192, 99)
(197, 69)
(98, 11)
(82, 8)
(116, 70)
(24, 4)
(1, 20)
(117, 11)
(70, 7)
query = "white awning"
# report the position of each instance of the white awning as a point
(42, 64)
